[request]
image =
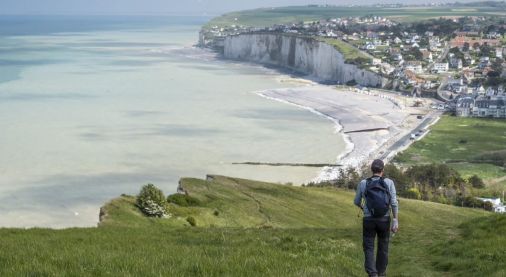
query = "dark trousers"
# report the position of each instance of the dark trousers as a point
(376, 227)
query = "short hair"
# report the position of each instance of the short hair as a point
(377, 166)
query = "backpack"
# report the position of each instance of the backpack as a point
(377, 197)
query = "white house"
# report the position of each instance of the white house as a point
(498, 207)
(415, 66)
(498, 52)
(441, 67)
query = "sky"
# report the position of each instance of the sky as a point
(164, 7)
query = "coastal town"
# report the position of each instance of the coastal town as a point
(456, 60)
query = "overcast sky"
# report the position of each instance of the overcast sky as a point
(163, 7)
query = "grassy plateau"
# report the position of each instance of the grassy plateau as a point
(269, 16)
(249, 228)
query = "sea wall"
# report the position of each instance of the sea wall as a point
(304, 55)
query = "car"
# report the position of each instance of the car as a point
(413, 136)
(419, 116)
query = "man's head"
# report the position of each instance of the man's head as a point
(377, 167)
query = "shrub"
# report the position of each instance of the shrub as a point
(488, 206)
(151, 201)
(191, 220)
(183, 200)
(216, 213)
(476, 182)
(413, 193)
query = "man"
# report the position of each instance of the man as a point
(381, 195)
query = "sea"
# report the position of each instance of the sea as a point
(92, 107)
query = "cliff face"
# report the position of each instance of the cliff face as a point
(304, 55)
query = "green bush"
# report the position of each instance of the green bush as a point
(191, 220)
(413, 193)
(476, 182)
(151, 201)
(183, 200)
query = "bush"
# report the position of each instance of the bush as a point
(151, 201)
(488, 206)
(472, 202)
(413, 193)
(191, 220)
(216, 213)
(183, 200)
(476, 182)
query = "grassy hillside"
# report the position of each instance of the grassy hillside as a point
(461, 143)
(248, 228)
(270, 16)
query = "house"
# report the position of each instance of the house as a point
(441, 67)
(490, 106)
(376, 61)
(498, 52)
(461, 40)
(427, 55)
(465, 107)
(456, 63)
(370, 46)
(415, 66)
(397, 40)
(410, 78)
(497, 206)
(484, 62)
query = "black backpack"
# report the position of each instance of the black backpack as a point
(377, 197)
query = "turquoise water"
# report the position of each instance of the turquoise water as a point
(91, 108)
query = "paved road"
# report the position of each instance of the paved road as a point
(407, 138)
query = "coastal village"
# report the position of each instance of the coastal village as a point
(457, 60)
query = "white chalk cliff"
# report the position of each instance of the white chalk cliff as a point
(303, 55)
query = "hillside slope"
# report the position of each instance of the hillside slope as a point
(248, 228)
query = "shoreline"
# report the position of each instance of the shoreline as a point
(338, 128)
(352, 110)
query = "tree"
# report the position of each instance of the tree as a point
(476, 182)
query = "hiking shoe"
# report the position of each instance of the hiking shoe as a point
(382, 275)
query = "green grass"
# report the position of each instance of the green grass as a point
(260, 229)
(458, 141)
(270, 16)
(348, 51)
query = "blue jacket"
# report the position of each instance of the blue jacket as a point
(393, 197)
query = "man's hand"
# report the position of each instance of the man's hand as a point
(395, 225)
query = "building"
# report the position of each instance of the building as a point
(456, 63)
(441, 67)
(497, 206)
(465, 107)
(415, 66)
(490, 106)
(427, 55)
(461, 40)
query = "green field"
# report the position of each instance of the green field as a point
(348, 51)
(248, 228)
(270, 16)
(458, 142)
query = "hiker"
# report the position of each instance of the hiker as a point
(380, 197)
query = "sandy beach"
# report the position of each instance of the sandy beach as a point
(371, 121)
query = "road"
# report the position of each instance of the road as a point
(406, 140)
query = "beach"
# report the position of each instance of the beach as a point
(372, 121)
